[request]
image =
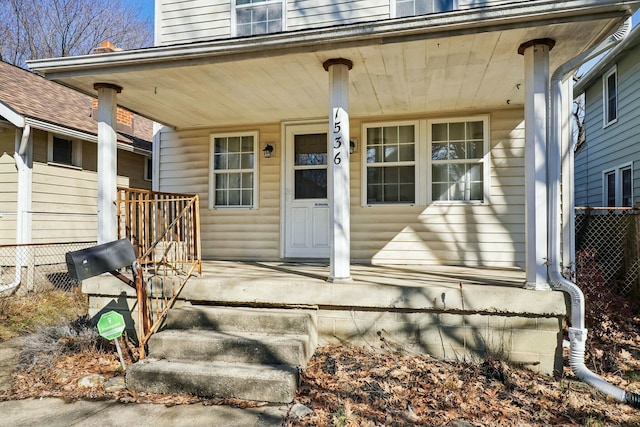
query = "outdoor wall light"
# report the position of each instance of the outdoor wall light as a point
(352, 146)
(268, 150)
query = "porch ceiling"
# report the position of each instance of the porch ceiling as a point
(425, 73)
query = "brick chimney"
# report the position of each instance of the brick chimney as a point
(124, 118)
(106, 47)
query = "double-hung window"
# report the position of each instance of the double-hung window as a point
(618, 186)
(422, 7)
(423, 161)
(232, 180)
(391, 163)
(64, 151)
(610, 98)
(253, 17)
(458, 160)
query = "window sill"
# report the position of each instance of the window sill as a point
(460, 202)
(244, 208)
(611, 123)
(63, 165)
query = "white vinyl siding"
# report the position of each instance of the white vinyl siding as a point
(610, 98)
(438, 233)
(183, 21)
(226, 233)
(473, 234)
(304, 14)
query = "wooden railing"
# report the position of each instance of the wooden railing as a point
(164, 229)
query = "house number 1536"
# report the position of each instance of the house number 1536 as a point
(338, 136)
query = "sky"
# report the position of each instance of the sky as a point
(146, 7)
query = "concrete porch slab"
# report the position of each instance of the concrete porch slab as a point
(448, 312)
(434, 288)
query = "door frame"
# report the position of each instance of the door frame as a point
(285, 128)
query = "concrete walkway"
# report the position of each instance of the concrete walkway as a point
(53, 412)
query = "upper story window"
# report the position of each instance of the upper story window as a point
(63, 151)
(232, 180)
(618, 186)
(253, 17)
(610, 96)
(422, 7)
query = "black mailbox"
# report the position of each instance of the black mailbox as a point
(100, 259)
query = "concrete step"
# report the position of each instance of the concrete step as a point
(242, 319)
(267, 383)
(233, 352)
(244, 347)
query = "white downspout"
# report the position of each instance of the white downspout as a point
(19, 156)
(577, 331)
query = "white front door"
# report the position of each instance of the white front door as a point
(306, 222)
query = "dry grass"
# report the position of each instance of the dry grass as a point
(21, 315)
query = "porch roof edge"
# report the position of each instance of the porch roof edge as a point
(503, 17)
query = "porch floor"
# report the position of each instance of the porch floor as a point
(439, 288)
(315, 273)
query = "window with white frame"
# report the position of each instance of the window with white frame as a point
(253, 17)
(64, 151)
(618, 186)
(610, 96)
(391, 163)
(458, 160)
(232, 181)
(422, 7)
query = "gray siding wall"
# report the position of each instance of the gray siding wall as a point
(182, 21)
(618, 143)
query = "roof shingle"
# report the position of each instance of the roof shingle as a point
(31, 95)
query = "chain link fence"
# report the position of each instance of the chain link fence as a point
(608, 248)
(37, 266)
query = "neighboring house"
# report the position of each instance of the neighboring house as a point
(49, 157)
(373, 131)
(607, 165)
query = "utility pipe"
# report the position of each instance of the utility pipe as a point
(18, 157)
(577, 331)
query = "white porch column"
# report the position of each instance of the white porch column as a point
(107, 162)
(536, 71)
(338, 177)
